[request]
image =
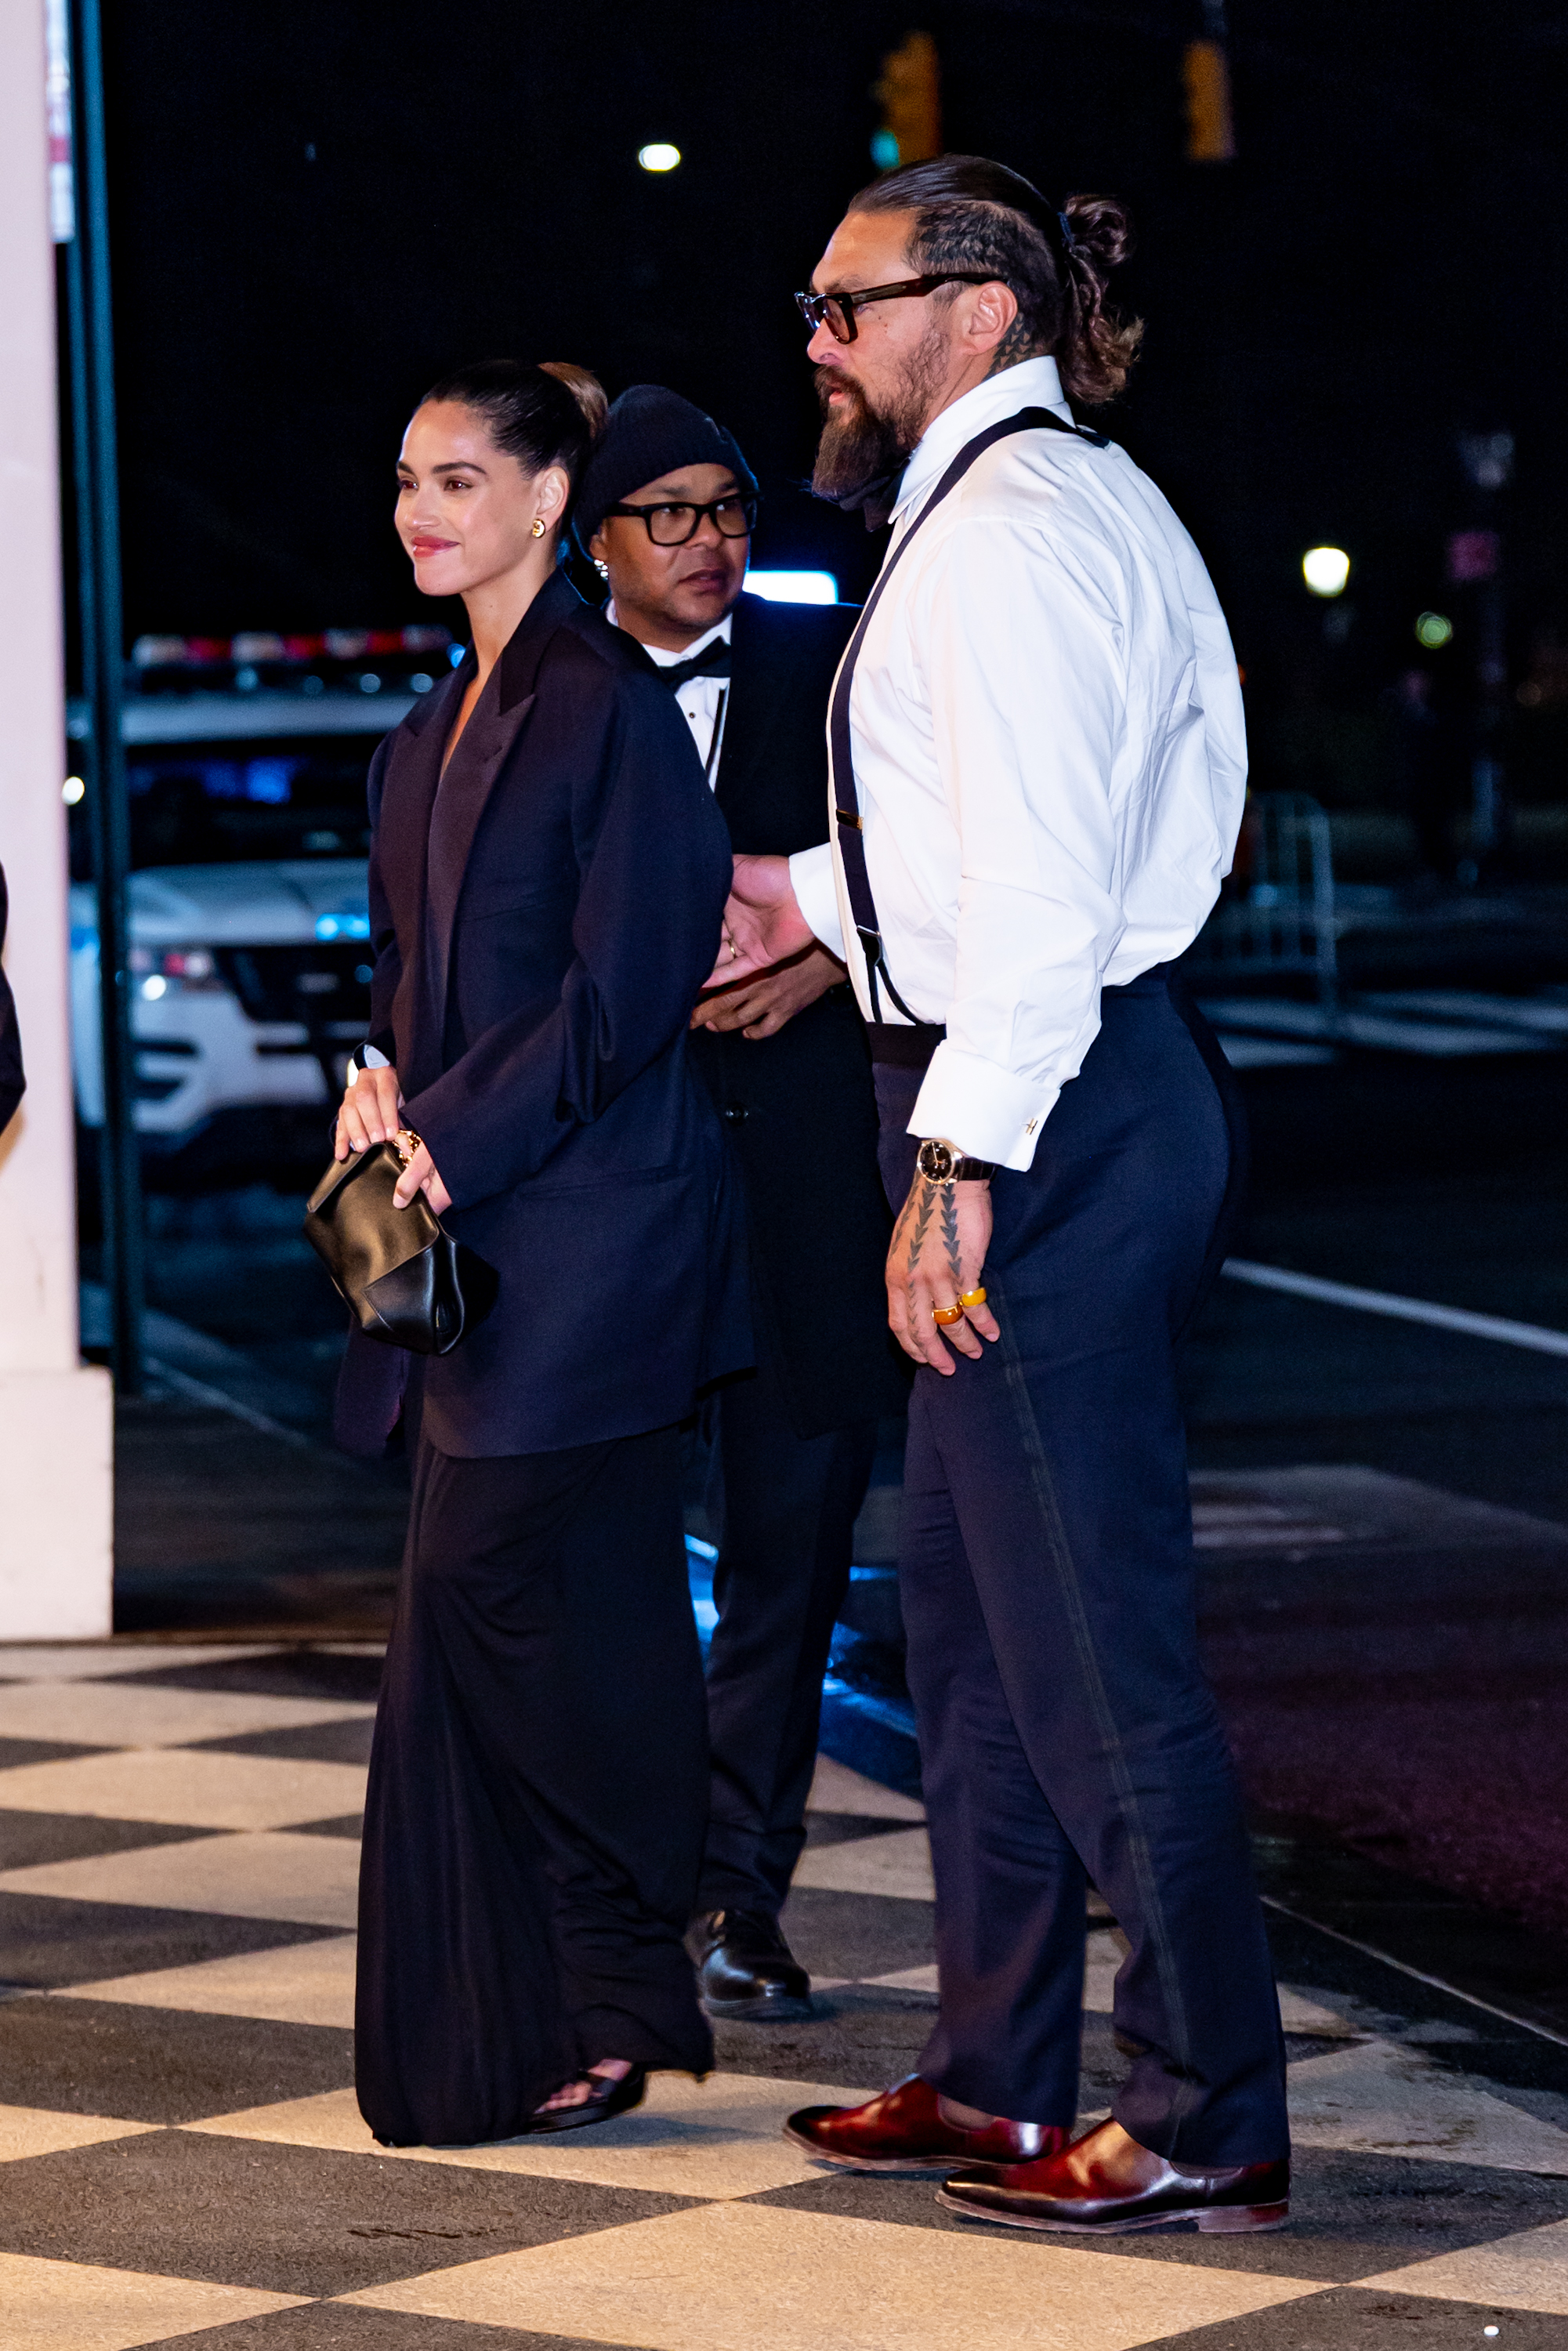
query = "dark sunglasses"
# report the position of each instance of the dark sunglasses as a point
(675, 520)
(837, 311)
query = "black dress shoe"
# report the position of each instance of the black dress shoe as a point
(747, 1971)
(605, 2098)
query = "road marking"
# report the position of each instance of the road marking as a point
(1403, 1310)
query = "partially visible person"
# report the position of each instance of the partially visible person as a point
(666, 510)
(546, 879)
(13, 1083)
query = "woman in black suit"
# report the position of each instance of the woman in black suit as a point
(547, 875)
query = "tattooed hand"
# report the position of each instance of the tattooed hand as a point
(938, 1252)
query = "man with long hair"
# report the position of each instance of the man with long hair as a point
(1038, 766)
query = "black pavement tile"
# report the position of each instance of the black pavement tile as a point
(351, 1825)
(1346, 2318)
(46, 1939)
(282, 1673)
(854, 2043)
(15, 1752)
(857, 1935)
(1351, 2216)
(26, 1838)
(841, 1828)
(304, 1742)
(339, 2326)
(161, 2065)
(289, 2220)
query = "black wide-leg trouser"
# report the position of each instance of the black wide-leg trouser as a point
(1046, 1570)
(538, 1790)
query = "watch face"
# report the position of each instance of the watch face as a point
(937, 1161)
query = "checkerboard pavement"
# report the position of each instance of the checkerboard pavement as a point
(181, 2159)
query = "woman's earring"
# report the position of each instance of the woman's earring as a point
(539, 526)
(602, 568)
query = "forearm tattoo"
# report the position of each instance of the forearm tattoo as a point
(950, 1236)
(920, 1227)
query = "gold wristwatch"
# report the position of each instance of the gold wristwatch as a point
(941, 1162)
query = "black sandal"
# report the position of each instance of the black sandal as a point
(605, 2099)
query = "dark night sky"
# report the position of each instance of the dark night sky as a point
(318, 209)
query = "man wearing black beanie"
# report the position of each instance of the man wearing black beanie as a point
(665, 510)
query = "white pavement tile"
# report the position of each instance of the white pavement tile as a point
(187, 1788)
(909, 1980)
(311, 1881)
(836, 1788)
(1300, 2014)
(39, 2130)
(1378, 2099)
(1528, 2272)
(898, 1865)
(134, 1714)
(733, 2275)
(75, 2306)
(302, 1983)
(78, 1661)
(716, 2139)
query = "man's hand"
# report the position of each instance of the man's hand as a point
(760, 1006)
(420, 1176)
(762, 924)
(370, 1111)
(938, 1254)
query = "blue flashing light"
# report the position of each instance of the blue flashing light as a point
(884, 151)
(343, 927)
(456, 656)
(794, 587)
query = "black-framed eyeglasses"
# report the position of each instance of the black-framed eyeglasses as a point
(837, 311)
(672, 521)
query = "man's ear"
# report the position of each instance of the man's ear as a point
(991, 310)
(598, 551)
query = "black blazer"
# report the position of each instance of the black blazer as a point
(13, 1084)
(540, 1040)
(800, 1106)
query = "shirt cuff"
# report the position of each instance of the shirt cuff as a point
(987, 1112)
(816, 894)
(370, 1059)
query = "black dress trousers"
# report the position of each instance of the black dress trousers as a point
(538, 1787)
(1046, 1569)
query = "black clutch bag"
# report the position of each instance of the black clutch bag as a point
(404, 1278)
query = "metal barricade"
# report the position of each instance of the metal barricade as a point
(1281, 924)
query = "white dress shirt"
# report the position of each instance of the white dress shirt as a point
(1049, 756)
(704, 701)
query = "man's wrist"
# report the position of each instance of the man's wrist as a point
(940, 1161)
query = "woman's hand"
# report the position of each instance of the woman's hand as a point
(938, 1256)
(760, 1007)
(370, 1111)
(420, 1176)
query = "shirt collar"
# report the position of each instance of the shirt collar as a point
(662, 657)
(1033, 383)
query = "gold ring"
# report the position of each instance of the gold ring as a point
(972, 1298)
(947, 1315)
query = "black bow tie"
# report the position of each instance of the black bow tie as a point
(712, 661)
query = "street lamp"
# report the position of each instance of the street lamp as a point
(1325, 570)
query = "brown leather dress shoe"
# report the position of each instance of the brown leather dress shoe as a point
(903, 2130)
(1105, 2184)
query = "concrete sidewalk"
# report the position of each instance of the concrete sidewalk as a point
(183, 2160)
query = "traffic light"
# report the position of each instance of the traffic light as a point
(910, 96)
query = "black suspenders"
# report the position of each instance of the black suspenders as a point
(846, 802)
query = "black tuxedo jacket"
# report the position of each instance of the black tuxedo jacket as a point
(800, 1106)
(533, 996)
(13, 1084)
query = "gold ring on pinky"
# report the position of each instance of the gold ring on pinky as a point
(971, 1298)
(947, 1315)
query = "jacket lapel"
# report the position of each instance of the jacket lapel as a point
(484, 759)
(753, 687)
(408, 795)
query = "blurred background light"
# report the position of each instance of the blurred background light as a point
(1434, 629)
(659, 157)
(794, 587)
(1326, 570)
(72, 790)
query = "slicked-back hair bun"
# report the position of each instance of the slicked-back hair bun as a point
(972, 213)
(546, 414)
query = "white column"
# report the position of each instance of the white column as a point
(56, 1420)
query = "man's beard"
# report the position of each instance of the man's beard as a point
(863, 449)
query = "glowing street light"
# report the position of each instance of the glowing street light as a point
(1434, 629)
(1325, 570)
(659, 157)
